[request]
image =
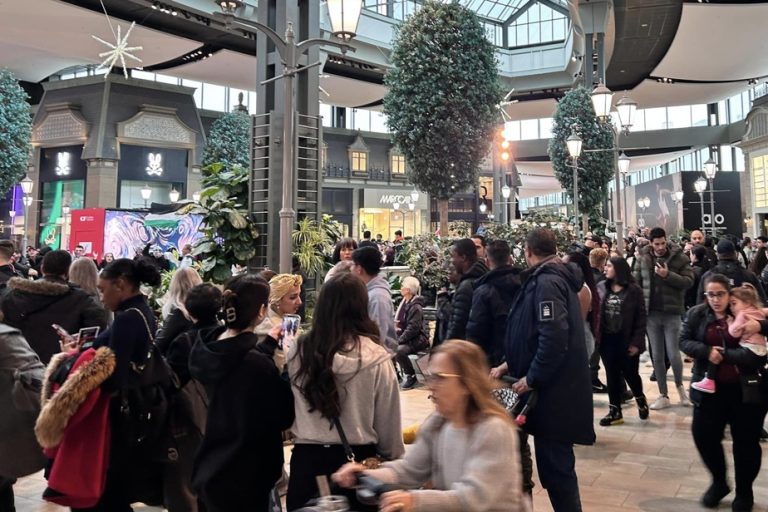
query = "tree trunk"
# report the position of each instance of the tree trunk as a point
(442, 208)
(584, 223)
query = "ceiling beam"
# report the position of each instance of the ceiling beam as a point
(555, 7)
(518, 13)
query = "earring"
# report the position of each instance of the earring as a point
(231, 314)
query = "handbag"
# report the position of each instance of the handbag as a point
(369, 463)
(751, 382)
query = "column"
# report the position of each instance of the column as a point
(101, 189)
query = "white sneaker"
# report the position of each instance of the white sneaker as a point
(683, 396)
(661, 403)
(645, 357)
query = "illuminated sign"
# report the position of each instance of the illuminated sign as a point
(154, 164)
(62, 164)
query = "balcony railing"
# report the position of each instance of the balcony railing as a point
(373, 173)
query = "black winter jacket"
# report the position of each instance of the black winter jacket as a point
(545, 344)
(416, 332)
(738, 275)
(175, 324)
(632, 312)
(462, 301)
(32, 306)
(242, 452)
(493, 296)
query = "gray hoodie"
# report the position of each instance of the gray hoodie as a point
(381, 311)
(370, 402)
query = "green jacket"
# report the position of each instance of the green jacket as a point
(680, 278)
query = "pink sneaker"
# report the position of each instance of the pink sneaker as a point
(705, 385)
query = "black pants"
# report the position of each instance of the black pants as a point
(620, 367)
(311, 460)
(557, 472)
(710, 417)
(401, 356)
(594, 364)
(6, 494)
(526, 462)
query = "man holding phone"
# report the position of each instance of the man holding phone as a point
(35, 306)
(664, 273)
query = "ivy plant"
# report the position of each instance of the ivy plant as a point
(442, 95)
(15, 131)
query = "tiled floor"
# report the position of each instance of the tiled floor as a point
(649, 466)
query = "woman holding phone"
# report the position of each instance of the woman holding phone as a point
(284, 299)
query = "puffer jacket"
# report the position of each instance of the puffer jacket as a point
(462, 301)
(735, 273)
(416, 332)
(493, 296)
(680, 278)
(32, 306)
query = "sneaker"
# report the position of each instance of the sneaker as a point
(661, 403)
(705, 385)
(683, 396)
(599, 387)
(715, 494)
(642, 407)
(645, 357)
(409, 382)
(613, 417)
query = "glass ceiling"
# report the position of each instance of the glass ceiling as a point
(501, 10)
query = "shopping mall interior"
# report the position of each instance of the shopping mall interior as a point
(115, 141)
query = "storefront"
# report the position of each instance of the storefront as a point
(384, 211)
(62, 184)
(161, 170)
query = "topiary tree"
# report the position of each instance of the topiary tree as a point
(575, 112)
(228, 143)
(15, 131)
(441, 104)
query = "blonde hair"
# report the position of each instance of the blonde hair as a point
(182, 281)
(83, 273)
(412, 284)
(597, 257)
(280, 286)
(747, 293)
(471, 363)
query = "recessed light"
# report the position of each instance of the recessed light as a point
(644, 25)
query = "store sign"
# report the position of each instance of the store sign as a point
(154, 164)
(390, 199)
(386, 198)
(62, 164)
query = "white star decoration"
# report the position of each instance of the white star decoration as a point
(120, 50)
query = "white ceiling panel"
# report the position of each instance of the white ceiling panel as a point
(226, 67)
(535, 109)
(651, 94)
(347, 92)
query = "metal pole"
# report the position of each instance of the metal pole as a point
(701, 204)
(712, 206)
(626, 212)
(576, 196)
(288, 212)
(619, 221)
(25, 243)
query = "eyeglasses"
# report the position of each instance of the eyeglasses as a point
(715, 295)
(435, 378)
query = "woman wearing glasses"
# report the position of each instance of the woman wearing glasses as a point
(705, 338)
(467, 449)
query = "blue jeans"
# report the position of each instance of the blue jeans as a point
(557, 472)
(664, 336)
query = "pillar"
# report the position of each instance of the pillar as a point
(101, 185)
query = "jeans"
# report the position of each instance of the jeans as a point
(620, 367)
(664, 337)
(557, 472)
(709, 420)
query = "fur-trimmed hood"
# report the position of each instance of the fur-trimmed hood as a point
(92, 368)
(46, 286)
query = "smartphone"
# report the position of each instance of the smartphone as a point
(291, 324)
(60, 331)
(88, 335)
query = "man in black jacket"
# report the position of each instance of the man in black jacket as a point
(491, 301)
(729, 266)
(464, 260)
(33, 306)
(7, 270)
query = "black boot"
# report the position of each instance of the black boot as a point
(743, 502)
(613, 417)
(715, 494)
(642, 407)
(409, 382)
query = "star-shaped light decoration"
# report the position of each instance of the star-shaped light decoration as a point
(120, 50)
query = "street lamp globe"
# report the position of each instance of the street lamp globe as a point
(414, 195)
(483, 207)
(640, 203)
(26, 185)
(601, 100)
(710, 169)
(196, 197)
(229, 7)
(411, 206)
(396, 206)
(344, 16)
(146, 193)
(624, 162)
(679, 195)
(506, 192)
(574, 143)
(646, 201)
(65, 210)
(700, 185)
(12, 214)
(626, 107)
(174, 195)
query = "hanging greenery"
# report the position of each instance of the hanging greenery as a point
(15, 131)
(575, 112)
(441, 104)
(228, 142)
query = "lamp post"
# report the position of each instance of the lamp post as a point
(174, 195)
(65, 211)
(644, 203)
(624, 162)
(412, 207)
(344, 16)
(506, 193)
(700, 185)
(26, 188)
(626, 108)
(12, 215)
(574, 144)
(710, 169)
(146, 193)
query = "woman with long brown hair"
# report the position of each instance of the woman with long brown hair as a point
(341, 377)
(468, 449)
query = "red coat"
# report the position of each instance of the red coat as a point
(73, 428)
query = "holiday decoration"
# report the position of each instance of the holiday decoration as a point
(15, 131)
(441, 104)
(576, 113)
(118, 51)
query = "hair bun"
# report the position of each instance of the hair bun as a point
(147, 272)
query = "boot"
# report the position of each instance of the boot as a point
(614, 417)
(642, 407)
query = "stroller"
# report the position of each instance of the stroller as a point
(511, 400)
